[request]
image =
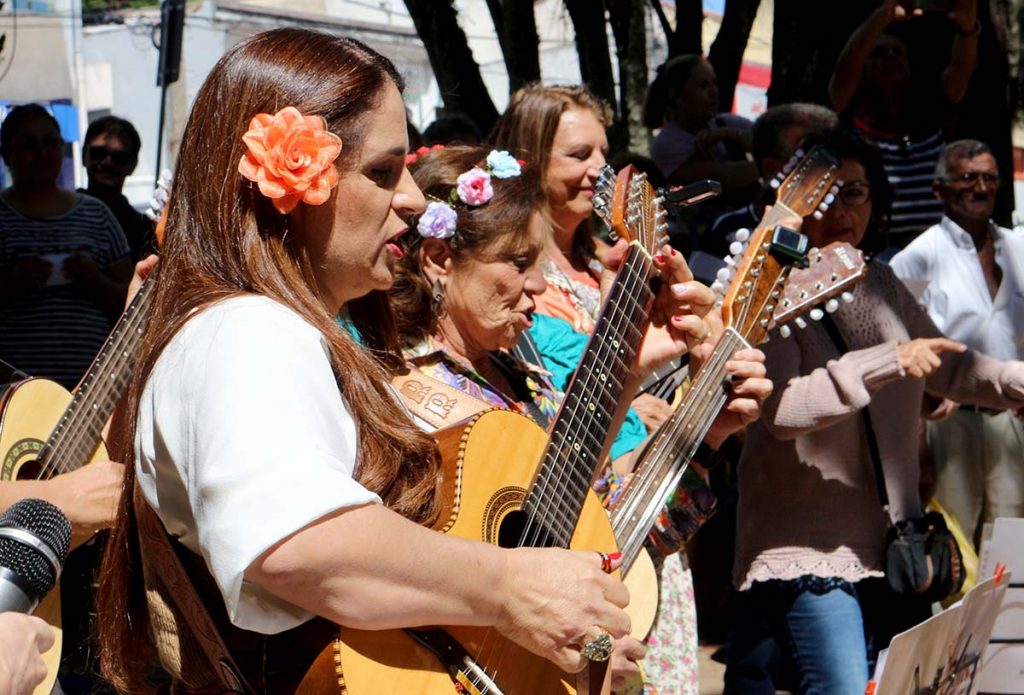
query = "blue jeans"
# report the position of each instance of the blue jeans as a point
(824, 630)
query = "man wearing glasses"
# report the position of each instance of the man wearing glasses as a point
(975, 294)
(110, 155)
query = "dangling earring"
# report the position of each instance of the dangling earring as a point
(437, 303)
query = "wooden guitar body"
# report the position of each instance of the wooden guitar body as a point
(644, 594)
(489, 464)
(29, 412)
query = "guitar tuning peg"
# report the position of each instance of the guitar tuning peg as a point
(785, 331)
(724, 275)
(729, 261)
(847, 297)
(717, 287)
(834, 191)
(829, 198)
(718, 304)
(742, 234)
(799, 153)
(800, 323)
(831, 306)
(816, 314)
(736, 248)
(838, 184)
(817, 214)
(823, 206)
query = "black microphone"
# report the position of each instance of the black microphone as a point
(34, 540)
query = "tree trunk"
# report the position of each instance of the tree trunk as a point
(726, 53)
(627, 18)
(808, 36)
(689, 26)
(588, 21)
(455, 69)
(516, 28)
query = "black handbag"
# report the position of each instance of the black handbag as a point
(921, 556)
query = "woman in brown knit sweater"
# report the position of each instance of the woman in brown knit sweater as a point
(810, 527)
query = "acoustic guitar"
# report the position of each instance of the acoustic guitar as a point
(495, 490)
(46, 431)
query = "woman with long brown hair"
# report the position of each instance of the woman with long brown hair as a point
(262, 436)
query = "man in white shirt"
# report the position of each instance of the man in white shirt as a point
(975, 294)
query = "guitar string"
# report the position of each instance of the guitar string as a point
(66, 438)
(744, 313)
(69, 443)
(569, 426)
(665, 442)
(557, 464)
(634, 281)
(700, 407)
(615, 360)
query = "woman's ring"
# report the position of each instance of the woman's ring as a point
(599, 648)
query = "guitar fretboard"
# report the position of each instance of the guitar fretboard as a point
(581, 429)
(79, 429)
(671, 449)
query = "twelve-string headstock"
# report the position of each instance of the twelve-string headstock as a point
(754, 294)
(831, 272)
(631, 208)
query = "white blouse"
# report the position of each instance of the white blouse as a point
(243, 439)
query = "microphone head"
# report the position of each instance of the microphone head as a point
(47, 524)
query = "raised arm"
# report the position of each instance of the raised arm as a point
(849, 67)
(963, 58)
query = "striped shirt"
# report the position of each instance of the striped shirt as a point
(56, 331)
(909, 161)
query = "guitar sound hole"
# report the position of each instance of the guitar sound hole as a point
(30, 470)
(516, 527)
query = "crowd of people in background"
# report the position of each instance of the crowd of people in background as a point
(493, 293)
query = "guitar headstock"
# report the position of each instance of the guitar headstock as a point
(158, 207)
(631, 208)
(753, 296)
(833, 270)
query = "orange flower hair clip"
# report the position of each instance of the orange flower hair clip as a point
(291, 158)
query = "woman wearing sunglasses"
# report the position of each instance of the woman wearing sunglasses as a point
(810, 526)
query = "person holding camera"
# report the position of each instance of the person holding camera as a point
(907, 115)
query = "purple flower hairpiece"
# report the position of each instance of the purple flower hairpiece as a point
(437, 221)
(472, 188)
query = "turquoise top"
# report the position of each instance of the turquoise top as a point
(562, 348)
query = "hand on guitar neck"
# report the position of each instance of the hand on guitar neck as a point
(88, 496)
(677, 312)
(748, 390)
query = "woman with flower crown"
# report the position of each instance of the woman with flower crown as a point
(466, 290)
(263, 442)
